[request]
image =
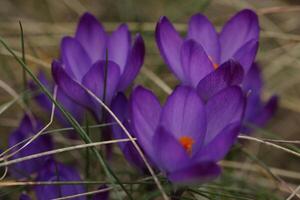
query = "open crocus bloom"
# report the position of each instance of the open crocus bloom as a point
(186, 138)
(28, 128)
(72, 107)
(204, 48)
(55, 171)
(105, 64)
(257, 112)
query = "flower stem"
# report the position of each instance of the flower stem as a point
(176, 194)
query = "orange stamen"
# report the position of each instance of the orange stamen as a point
(187, 143)
(215, 65)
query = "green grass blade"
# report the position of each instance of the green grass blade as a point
(113, 178)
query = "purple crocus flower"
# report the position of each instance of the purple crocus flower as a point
(102, 195)
(27, 128)
(24, 197)
(186, 138)
(92, 57)
(72, 107)
(55, 171)
(120, 108)
(204, 50)
(257, 112)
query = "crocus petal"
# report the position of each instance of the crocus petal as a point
(27, 125)
(265, 113)
(120, 108)
(253, 81)
(257, 112)
(134, 158)
(145, 110)
(240, 29)
(253, 109)
(54, 171)
(103, 195)
(134, 63)
(72, 107)
(197, 173)
(224, 108)
(195, 62)
(24, 197)
(169, 154)
(203, 31)
(27, 129)
(119, 45)
(41, 98)
(70, 87)
(65, 101)
(75, 58)
(228, 74)
(219, 146)
(95, 79)
(169, 43)
(184, 115)
(268, 110)
(246, 54)
(92, 37)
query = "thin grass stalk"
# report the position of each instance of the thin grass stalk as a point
(25, 99)
(61, 150)
(294, 193)
(84, 194)
(244, 137)
(267, 169)
(51, 131)
(87, 152)
(164, 195)
(36, 135)
(70, 118)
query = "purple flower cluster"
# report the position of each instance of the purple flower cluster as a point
(55, 171)
(46, 168)
(218, 95)
(26, 129)
(204, 52)
(102, 63)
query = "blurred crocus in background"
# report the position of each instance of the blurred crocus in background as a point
(103, 63)
(257, 112)
(24, 197)
(103, 195)
(238, 40)
(56, 171)
(28, 127)
(186, 138)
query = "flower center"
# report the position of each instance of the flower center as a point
(187, 143)
(215, 65)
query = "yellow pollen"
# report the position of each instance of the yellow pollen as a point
(187, 143)
(215, 65)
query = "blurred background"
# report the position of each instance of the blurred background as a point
(46, 22)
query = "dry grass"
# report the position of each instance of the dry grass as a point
(45, 23)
